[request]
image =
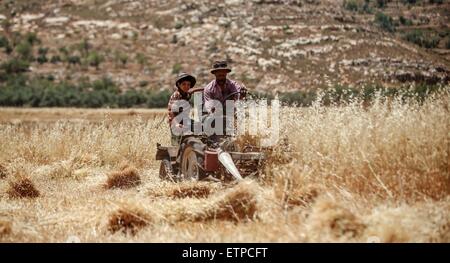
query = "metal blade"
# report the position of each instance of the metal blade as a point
(227, 162)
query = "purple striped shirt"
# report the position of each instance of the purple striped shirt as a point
(212, 91)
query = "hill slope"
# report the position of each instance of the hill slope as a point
(273, 45)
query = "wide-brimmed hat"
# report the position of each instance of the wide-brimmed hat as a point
(219, 65)
(184, 76)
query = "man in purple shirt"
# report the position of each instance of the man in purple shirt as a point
(221, 89)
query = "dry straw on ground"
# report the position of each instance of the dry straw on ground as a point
(376, 172)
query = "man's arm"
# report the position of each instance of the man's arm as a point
(236, 87)
(208, 98)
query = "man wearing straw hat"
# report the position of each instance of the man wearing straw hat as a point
(221, 88)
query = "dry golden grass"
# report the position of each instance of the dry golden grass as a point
(348, 173)
(330, 218)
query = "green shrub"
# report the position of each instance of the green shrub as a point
(157, 99)
(25, 50)
(385, 22)
(143, 83)
(351, 5)
(141, 59)
(41, 59)
(366, 8)
(422, 39)
(341, 94)
(94, 59)
(64, 51)
(4, 42)
(176, 68)
(84, 47)
(14, 66)
(55, 59)
(121, 58)
(382, 3)
(404, 21)
(43, 51)
(8, 50)
(32, 38)
(19, 90)
(105, 84)
(73, 60)
(174, 39)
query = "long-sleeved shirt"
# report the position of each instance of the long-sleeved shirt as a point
(175, 96)
(212, 91)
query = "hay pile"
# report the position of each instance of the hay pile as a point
(22, 188)
(328, 217)
(191, 191)
(424, 222)
(126, 177)
(5, 228)
(128, 221)
(237, 204)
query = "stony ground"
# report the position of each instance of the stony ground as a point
(274, 45)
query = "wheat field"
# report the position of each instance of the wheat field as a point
(347, 173)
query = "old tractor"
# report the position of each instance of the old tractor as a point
(209, 157)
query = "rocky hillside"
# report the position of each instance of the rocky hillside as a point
(272, 45)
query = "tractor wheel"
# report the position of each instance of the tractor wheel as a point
(165, 170)
(192, 164)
